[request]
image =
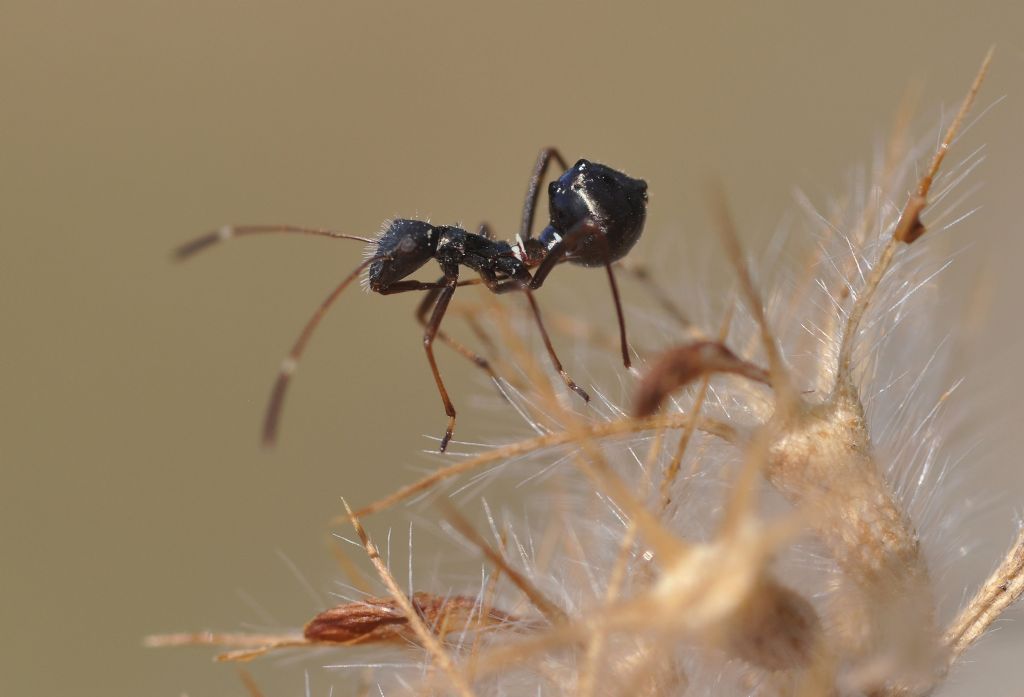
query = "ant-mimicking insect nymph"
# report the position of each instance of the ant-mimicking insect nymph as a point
(596, 215)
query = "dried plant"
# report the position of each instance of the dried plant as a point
(745, 525)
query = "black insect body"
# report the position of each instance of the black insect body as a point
(596, 215)
(405, 245)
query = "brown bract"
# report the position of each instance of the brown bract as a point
(679, 366)
(380, 620)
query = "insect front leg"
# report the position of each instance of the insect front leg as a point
(539, 169)
(564, 247)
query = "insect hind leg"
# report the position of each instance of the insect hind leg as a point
(423, 316)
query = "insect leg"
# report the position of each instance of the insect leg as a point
(642, 274)
(539, 169)
(569, 382)
(433, 325)
(565, 246)
(523, 284)
(423, 313)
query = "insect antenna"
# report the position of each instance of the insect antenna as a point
(291, 361)
(228, 231)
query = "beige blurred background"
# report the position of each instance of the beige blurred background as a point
(135, 497)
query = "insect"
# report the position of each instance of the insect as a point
(596, 215)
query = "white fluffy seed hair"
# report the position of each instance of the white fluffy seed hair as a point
(587, 583)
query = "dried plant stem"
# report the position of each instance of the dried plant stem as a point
(601, 430)
(908, 229)
(551, 612)
(844, 379)
(486, 607)
(763, 622)
(822, 461)
(785, 393)
(667, 547)
(672, 471)
(248, 646)
(426, 637)
(1002, 589)
(823, 464)
(595, 647)
(250, 685)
